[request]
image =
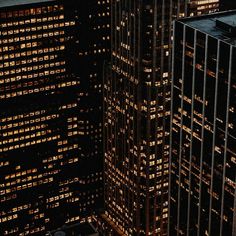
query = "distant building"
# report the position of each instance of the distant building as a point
(196, 7)
(51, 60)
(203, 134)
(137, 99)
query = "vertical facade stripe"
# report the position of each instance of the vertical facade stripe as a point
(226, 139)
(181, 130)
(202, 133)
(171, 126)
(191, 139)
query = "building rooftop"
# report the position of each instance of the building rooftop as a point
(11, 3)
(220, 25)
(84, 229)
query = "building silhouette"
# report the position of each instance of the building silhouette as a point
(137, 111)
(203, 141)
(50, 112)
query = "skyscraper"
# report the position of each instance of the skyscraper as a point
(137, 111)
(50, 129)
(203, 138)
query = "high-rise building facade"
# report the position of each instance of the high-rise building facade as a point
(91, 47)
(50, 112)
(137, 110)
(203, 138)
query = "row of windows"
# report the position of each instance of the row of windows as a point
(25, 186)
(23, 180)
(70, 161)
(103, 2)
(15, 231)
(30, 12)
(24, 137)
(37, 90)
(20, 208)
(24, 116)
(31, 21)
(65, 149)
(29, 143)
(9, 197)
(54, 158)
(30, 76)
(21, 173)
(30, 68)
(4, 163)
(35, 52)
(68, 106)
(38, 28)
(8, 218)
(41, 74)
(69, 181)
(28, 60)
(30, 45)
(59, 197)
(76, 132)
(24, 130)
(30, 38)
